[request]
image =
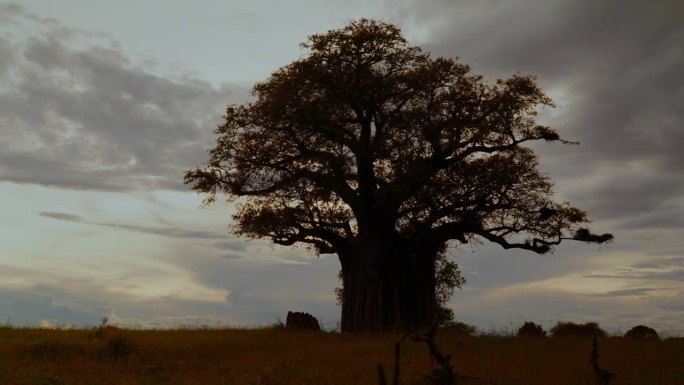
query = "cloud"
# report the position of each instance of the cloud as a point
(260, 292)
(162, 231)
(664, 269)
(232, 256)
(62, 217)
(221, 244)
(36, 309)
(661, 263)
(252, 293)
(6, 56)
(638, 291)
(79, 114)
(8, 11)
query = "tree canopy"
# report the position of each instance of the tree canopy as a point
(369, 148)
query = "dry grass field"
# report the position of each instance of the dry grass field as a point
(270, 356)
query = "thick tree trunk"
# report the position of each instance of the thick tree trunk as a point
(418, 288)
(387, 287)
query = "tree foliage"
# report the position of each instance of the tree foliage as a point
(369, 148)
(571, 329)
(531, 329)
(641, 332)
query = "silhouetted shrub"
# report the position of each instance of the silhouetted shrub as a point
(444, 315)
(571, 329)
(641, 332)
(531, 329)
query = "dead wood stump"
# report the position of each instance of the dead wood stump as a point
(298, 321)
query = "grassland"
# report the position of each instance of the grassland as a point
(265, 356)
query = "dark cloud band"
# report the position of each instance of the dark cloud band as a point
(162, 231)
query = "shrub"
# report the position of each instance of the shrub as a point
(571, 329)
(444, 316)
(641, 332)
(531, 329)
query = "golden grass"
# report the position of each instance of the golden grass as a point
(264, 357)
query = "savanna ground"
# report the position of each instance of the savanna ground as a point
(271, 356)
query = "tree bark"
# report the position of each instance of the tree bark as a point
(388, 286)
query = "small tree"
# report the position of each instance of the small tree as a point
(641, 332)
(369, 148)
(531, 329)
(571, 329)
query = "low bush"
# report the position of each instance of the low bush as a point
(641, 332)
(531, 329)
(571, 329)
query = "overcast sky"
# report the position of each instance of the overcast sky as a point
(103, 106)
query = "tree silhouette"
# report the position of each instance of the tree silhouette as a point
(369, 148)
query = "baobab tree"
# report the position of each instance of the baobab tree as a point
(369, 148)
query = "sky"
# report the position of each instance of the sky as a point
(103, 105)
